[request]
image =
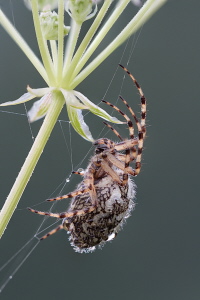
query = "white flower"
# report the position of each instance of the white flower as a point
(75, 102)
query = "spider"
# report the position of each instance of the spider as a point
(104, 199)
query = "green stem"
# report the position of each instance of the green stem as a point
(60, 39)
(44, 51)
(100, 36)
(54, 53)
(148, 9)
(95, 25)
(15, 35)
(71, 44)
(31, 160)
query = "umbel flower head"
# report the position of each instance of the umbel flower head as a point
(63, 75)
(79, 11)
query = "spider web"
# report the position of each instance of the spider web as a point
(12, 265)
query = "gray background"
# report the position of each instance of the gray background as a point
(156, 256)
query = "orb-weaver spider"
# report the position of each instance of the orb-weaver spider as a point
(104, 198)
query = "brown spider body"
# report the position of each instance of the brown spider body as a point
(114, 205)
(104, 199)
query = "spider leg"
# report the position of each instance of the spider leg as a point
(45, 213)
(139, 154)
(79, 173)
(64, 214)
(109, 170)
(143, 100)
(132, 152)
(52, 232)
(100, 171)
(89, 181)
(133, 114)
(61, 215)
(130, 126)
(104, 141)
(127, 157)
(71, 195)
(111, 158)
(142, 131)
(129, 144)
(114, 130)
(122, 157)
(129, 122)
(126, 166)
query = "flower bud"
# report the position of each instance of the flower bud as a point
(49, 25)
(80, 10)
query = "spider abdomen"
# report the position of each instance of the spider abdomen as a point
(114, 204)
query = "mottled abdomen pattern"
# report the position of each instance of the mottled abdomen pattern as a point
(114, 205)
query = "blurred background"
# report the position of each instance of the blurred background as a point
(156, 256)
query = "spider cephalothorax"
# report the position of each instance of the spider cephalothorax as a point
(104, 199)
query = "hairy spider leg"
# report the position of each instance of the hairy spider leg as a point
(89, 181)
(62, 215)
(114, 130)
(129, 122)
(71, 195)
(136, 155)
(78, 173)
(143, 100)
(116, 162)
(126, 157)
(122, 146)
(141, 128)
(105, 166)
(109, 170)
(142, 131)
(133, 114)
(52, 232)
(104, 141)
(128, 151)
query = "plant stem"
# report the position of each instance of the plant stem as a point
(60, 39)
(15, 35)
(148, 9)
(120, 7)
(71, 44)
(54, 53)
(31, 160)
(95, 25)
(44, 51)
